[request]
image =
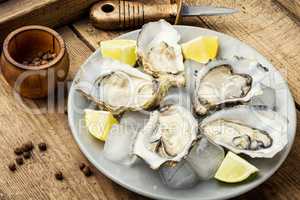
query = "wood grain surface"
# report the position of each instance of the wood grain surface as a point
(292, 5)
(17, 13)
(264, 25)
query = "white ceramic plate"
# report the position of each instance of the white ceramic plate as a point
(147, 182)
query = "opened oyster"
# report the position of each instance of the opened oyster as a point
(159, 51)
(225, 82)
(167, 137)
(248, 130)
(108, 80)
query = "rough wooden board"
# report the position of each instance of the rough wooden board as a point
(91, 35)
(16, 13)
(292, 5)
(14, 8)
(35, 179)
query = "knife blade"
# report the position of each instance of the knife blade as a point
(206, 11)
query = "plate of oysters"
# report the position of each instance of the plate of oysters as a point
(181, 112)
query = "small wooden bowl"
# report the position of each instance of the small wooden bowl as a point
(24, 43)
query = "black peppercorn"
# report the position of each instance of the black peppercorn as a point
(19, 160)
(81, 166)
(40, 54)
(42, 146)
(12, 167)
(28, 146)
(27, 155)
(59, 176)
(87, 171)
(18, 151)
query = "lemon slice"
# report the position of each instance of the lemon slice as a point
(122, 50)
(99, 123)
(234, 169)
(201, 49)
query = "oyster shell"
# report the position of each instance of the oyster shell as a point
(108, 80)
(247, 130)
(225, 82)
(167, 137)
(159, 51)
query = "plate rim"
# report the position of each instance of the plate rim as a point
(292, 113)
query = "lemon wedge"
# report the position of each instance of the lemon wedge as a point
(99, 123)
(234, 169)
(122, 50)
(201, 49)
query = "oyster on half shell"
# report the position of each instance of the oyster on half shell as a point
(117, 87)
(159, 51)
(225, 82)
(248, 130)
(167, 137)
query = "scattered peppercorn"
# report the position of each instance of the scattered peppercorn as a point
(27, 154)
(81, 166)
(42, 146)
(12, 167)
(18, 151)
(87, 171)
(28, 146)
(59, 175)
(19, 160)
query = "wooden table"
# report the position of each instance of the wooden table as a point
(265, 25)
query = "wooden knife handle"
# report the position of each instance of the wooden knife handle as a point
(113, 15)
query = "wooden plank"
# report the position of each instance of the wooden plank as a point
(16, 13)
(292, 5)
(91, 35)
(35, 179)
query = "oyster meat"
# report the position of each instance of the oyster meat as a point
(159, 51)
(248, 130)
(108, 80)
(167, 137)
(225, 82)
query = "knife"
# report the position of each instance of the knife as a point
(114, 15)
